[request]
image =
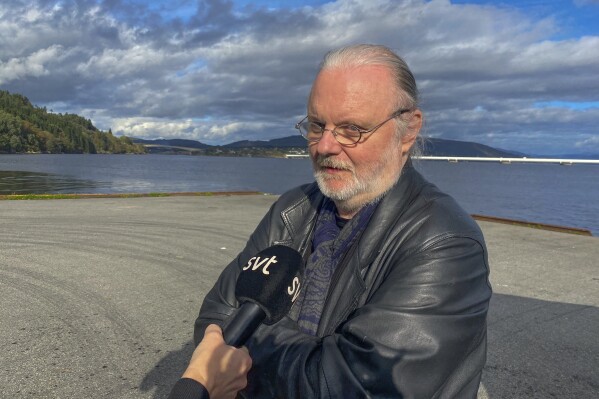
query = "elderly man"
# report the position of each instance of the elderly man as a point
(396, 291)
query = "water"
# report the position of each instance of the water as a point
(147, 173)
(545, 193)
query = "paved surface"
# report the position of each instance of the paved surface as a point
(98, 297)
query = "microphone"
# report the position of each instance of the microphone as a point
(266, 288)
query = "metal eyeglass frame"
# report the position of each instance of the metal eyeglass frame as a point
(358, 130)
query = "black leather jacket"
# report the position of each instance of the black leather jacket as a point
(406, 312)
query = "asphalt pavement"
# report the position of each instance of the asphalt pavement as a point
(98, 297)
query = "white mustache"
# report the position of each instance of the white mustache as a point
(326, 162)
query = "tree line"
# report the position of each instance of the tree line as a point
(25, 128)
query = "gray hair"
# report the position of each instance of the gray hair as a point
(372, 54)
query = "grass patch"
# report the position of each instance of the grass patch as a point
(17, 197)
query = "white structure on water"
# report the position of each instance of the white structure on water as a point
(511, 160)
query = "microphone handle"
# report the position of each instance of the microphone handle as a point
(243, 324)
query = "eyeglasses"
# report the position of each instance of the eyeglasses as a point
(345, 134)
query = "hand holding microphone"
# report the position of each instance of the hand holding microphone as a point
(266, 288)
(218, 367)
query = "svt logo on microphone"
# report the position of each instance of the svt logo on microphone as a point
(264, 263)
(294, 289)
(259, 264)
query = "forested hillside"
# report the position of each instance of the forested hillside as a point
(27, 128)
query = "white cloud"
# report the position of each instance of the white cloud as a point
(207, 131)
(549, 56)
(32, 65)
(151, 127)
(589, 144)
(225, 74)
(229, 130)
(121, 62)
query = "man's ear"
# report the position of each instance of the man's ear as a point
(413, 129)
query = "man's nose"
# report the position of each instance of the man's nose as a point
(328, 144)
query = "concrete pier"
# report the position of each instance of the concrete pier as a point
(98, 297)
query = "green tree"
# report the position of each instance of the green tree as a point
(24, 127)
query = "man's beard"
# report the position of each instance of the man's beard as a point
(352, 186)
(367, 185)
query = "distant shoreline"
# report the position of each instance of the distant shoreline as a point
(182, 153)
(295, 155)
(18, 197)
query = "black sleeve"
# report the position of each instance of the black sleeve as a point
(186, 388)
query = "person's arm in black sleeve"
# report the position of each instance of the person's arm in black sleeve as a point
(186, 388)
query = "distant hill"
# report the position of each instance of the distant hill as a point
(173, 143)
(455, 148)
(247, 144)
(431, 147)
(284, 142)
(27, 128)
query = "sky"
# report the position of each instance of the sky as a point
(516, 75)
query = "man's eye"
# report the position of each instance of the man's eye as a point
(316, 127)
(350, 129)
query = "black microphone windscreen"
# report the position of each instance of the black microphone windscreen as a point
(271, 279)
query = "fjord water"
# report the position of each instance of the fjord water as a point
(545, 193)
